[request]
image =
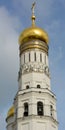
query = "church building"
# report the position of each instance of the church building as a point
(34, 106)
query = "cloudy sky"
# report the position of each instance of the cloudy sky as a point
(14, 17)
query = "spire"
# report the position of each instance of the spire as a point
(33, 16)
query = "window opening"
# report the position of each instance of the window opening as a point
(45, 59)
(29, 57)
(25, 109)
(40, 57)
(51, 110)
(27, 86)
(40, 108)
(24, 58)
(35, 56)
(38, 86)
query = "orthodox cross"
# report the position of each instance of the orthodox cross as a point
(33, 7)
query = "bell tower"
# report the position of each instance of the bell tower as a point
(34, 105)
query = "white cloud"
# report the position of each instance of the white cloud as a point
(8, 40)
(8, 60)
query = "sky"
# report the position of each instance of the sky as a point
(14, 17)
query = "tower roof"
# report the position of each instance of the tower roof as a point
(33, 32)
(10, 112)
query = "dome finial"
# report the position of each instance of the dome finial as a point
(33, 16)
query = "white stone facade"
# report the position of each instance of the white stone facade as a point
(34, 104)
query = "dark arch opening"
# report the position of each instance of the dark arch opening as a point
(26, 109)
(40, 108)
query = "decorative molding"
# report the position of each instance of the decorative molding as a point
(33, 67)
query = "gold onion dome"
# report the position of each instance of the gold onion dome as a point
(10, 112)
(33, 32)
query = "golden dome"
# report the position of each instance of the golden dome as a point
(33, 32)
(10, 112)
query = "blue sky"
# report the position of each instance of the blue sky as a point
(14, 17)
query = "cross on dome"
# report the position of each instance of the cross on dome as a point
(33, 7)
(33, 16)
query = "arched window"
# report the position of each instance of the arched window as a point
(27, 86)
(35, 56)
(40, 57)
(38, 86)
(40, 108)
(45, 59)
(51, 110)
(26, 109)
(24, 58)
(29, 57)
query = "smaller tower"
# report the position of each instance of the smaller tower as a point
(34, 105)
